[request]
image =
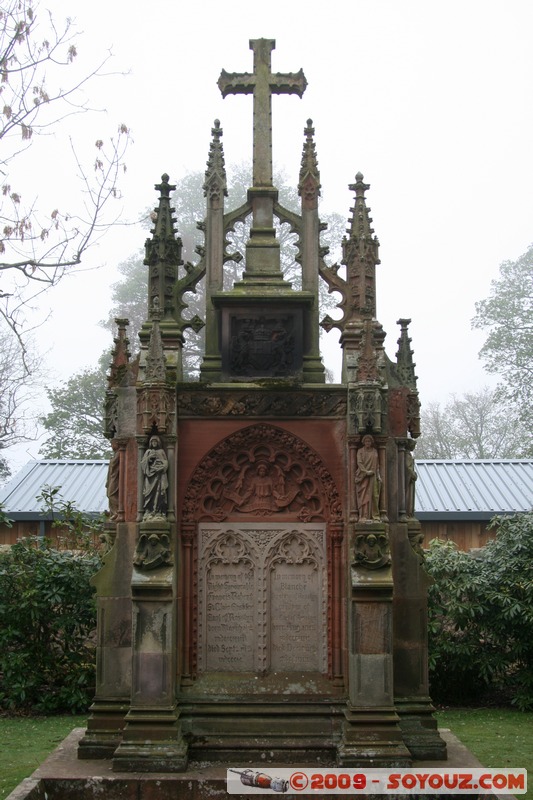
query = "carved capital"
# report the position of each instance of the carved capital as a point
(153, 547)
(371, 548)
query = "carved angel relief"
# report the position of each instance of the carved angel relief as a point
(260, 471)
(262, 482)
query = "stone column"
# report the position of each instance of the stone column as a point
(336, 533)
(113, 650)
(411, 582)
(113, 592)
(371, 735)
(152, 740)
(187, 572)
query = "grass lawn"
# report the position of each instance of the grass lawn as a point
(499, 737)
(26, 741)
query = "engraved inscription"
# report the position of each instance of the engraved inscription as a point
(295, 617)
(371, 633)
(261, 342)
(262, 593)
(230, 617)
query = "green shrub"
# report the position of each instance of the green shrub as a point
(47, 621)
(481, 616)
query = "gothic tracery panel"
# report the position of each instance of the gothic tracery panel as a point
(262, 598)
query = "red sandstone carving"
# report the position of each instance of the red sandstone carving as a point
(261, 471)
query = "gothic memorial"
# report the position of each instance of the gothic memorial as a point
(263, 595)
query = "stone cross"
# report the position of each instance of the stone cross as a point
(263, 84)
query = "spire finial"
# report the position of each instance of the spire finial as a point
(215, 186)
(163, 250)
(120, 355)
(360, 222)
(309, 180)
(404, 356)
(164, 187)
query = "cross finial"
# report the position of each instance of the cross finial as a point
(262, 83)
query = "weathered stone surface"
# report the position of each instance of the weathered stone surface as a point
(267, 593)
(296, 641)
(262, 598)
(251, 403)
(62, 777)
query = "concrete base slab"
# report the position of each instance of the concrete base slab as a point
(63, 776)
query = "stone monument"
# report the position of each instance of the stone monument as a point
(263, 597)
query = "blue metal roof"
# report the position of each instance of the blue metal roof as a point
(82, 483)
(476, 489)
(448, 490)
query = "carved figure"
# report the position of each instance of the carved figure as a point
(221, 483)
(113, 482)
(416, 539)
(410, 480)
(111, 415)
(368, 481)
(261, 494)
(154, 466)
(371, 550)
(153, 550)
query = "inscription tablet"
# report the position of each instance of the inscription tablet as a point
(262, 598)
(295, 625)
(230, 624)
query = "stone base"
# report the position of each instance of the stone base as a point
(227, 717)
(63, 777)
(419, 729)
(153, 757)
(152, 742)
(372, 739)
(104, 730)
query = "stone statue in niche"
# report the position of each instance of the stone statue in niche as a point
(368, 481)
(113, 481)
(154, 466)
(410, 481)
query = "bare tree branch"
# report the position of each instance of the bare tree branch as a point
(41, 85)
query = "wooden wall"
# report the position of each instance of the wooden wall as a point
(467, 535)
(22, 529)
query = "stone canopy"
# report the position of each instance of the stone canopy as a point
(264, 590)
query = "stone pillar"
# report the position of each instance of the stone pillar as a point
(411, 649)
(311, 253)
(152, 740)
(411, 581)
(336, 552)
(112, 581)
(113, 650)
(215, 191)
(187, 573)
(371, 735)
